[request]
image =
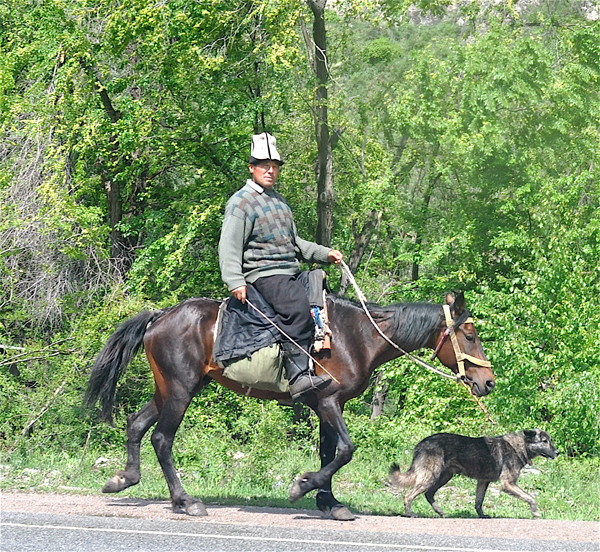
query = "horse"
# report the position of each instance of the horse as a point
(178, 342)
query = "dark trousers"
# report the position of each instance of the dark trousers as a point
(288, 298)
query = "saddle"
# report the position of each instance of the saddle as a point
(247, 345)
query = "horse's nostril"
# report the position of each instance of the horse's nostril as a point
(490, 384)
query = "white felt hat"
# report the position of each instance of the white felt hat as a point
(264, 148)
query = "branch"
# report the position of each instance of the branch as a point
(158, 173)
(309, 45)
(43, 410)
(361, 242)
(22, 357)
(28, 359)
(113, 114)
(6, 347)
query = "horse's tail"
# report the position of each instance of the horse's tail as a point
(399, 479)
(110, 364)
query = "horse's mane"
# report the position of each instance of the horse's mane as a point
(412, 323)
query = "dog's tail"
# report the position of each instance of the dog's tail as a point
(399, 479)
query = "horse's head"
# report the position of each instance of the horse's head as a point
(459, 347)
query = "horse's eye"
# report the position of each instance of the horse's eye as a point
(470, 337)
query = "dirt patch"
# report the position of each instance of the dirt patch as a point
(108, 505)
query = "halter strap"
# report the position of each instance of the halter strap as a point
(460, 356)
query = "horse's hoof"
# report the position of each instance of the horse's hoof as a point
(115, 484)
(296, 492)
(196, 509)
(300, 487)
(342, 513)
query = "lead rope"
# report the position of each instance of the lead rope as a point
(415, 359)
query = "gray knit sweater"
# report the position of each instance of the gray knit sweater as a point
(259, 238)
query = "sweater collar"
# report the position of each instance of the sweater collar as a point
(257, 187)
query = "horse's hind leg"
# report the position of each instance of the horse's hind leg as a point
(137, 426)
(170, 417)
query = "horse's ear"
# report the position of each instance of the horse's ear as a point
(449, 299)
(459, 303)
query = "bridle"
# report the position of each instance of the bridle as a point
(450, 331)
(450, 325)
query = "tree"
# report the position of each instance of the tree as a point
(324, 166)
(148, 111)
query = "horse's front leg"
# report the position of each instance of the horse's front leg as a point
(137, 426)
(334, 435)
(170, 417)
(326, 501)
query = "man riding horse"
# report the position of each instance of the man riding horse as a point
(260, 246)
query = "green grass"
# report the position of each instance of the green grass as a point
(229, 473)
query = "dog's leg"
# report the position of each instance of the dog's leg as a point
(482, 487)
(419, 488)
(513, 489)
(430, 494)
(408, 498)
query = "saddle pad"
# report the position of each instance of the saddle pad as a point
(240, 331)
(247, 346)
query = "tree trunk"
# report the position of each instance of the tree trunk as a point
(361, 242)
(120, 249)
(115, 215)
(423, 217)
(320, 67)
(414, 275)
(379, 396)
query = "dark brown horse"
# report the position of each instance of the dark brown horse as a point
(179, 342)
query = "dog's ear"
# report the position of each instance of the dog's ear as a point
(531, 434)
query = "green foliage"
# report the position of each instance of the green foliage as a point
(381, 50)
(474, 147)
(181, 262)
(43, 385)
(222, 472)
(548, 383)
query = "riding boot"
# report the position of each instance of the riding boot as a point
(297, 371)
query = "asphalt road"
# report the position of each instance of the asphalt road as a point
(59, 532)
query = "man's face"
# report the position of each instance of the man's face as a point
(265, 173)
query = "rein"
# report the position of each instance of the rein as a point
(292, 340)
(450, 325)
(415, 359)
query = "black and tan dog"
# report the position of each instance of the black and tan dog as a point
(438, 457)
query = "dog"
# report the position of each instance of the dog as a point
(438, 457)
